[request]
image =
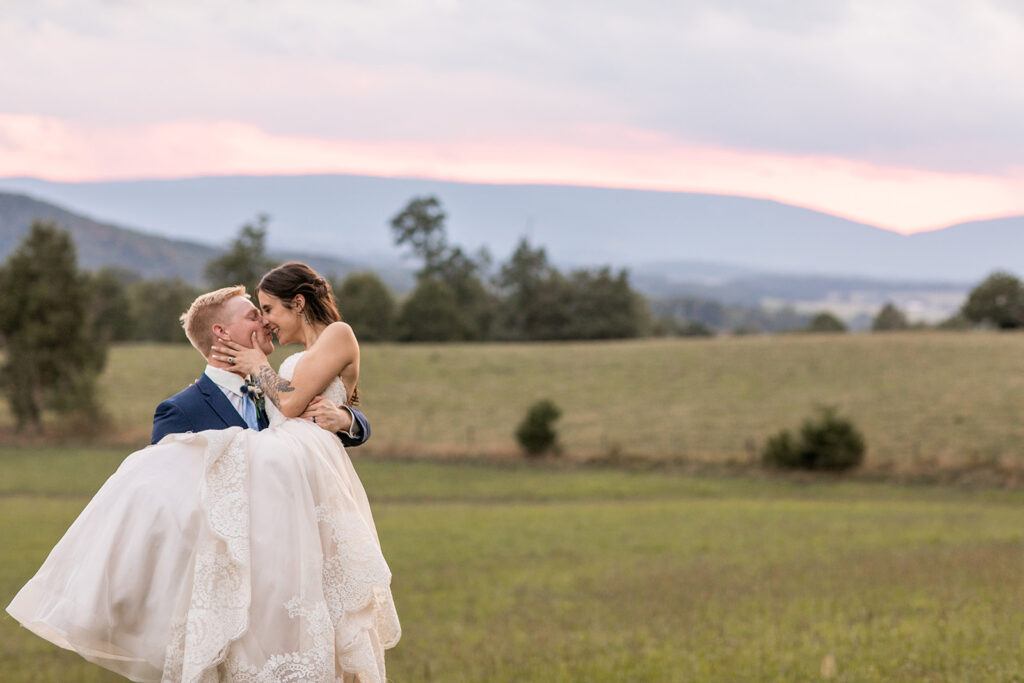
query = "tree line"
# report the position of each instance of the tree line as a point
(457, 297)
(56, 321)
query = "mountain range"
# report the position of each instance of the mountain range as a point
(100, 244)
(347, 217)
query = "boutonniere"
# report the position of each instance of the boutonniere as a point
(253, 389)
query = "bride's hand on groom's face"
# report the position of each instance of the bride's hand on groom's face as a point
(240, 358)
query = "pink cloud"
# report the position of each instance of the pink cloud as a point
(902, 199)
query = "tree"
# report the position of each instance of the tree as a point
(156, 306)
(246, 259)
(604, 306)
(524, 282)
(367, 305)
(111, 302)
(998, 301)
(889, 318)
(826, 322)
(420, 226)
(54, 350)
(432, 313)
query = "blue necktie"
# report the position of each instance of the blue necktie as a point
(250, 413)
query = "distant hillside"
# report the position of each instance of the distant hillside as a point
(347, 217)
(101, 244)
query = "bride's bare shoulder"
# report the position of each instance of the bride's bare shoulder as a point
(338, 332)
(337, 337)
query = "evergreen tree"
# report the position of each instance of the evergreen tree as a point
(53, 351)
(367, 305)
(889, 318)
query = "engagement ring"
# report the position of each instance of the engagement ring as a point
(231, 360)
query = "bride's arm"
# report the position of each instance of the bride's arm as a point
(336, 350)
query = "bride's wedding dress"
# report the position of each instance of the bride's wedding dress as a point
(226, 555)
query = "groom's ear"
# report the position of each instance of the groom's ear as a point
(219, 332)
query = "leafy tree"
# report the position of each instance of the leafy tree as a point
(54, 350)
(156, 306)
(525, 283)
(998, 301)
(604, 306)
(826, 322)
(246, 259)
(432, 313)
(462, 274)
(367, 305)
(420, 226)
(111, 304)
(889, 318)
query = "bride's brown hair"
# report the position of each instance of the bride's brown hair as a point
(292, 279)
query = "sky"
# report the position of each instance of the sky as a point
(906, 114)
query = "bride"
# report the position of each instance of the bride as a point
(233, 554)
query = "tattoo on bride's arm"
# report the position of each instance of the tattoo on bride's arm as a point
(272, 384)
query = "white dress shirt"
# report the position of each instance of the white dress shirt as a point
(231, 384)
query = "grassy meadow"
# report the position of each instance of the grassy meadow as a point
(924, 401)
(514, 571)
(528, 573)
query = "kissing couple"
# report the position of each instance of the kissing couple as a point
(239, 546)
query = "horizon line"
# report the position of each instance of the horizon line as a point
(518, 183)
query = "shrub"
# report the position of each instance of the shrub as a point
(536, 433)
(889, 319)
(826, 322)
(781, 451)
(826, 441)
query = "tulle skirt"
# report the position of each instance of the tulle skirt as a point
(226, 555)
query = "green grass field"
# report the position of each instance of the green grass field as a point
(530, 573)
(924, 401)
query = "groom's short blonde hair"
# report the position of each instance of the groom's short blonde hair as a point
(200, 317)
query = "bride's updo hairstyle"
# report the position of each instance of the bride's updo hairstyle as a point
(292, 279)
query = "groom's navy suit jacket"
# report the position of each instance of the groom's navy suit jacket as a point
(204, 406)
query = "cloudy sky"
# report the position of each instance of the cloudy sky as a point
(908, 114)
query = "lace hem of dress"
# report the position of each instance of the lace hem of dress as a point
(218, 606)
(348, 613)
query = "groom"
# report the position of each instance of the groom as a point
(218, 399)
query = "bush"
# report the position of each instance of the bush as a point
(536, 433)
(826, 322)
(998, 301)
(889, 319)
(826, 442)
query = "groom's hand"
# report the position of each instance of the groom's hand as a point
(328, 416)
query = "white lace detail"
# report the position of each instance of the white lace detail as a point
(218, 610)
(341, 603)
(313, 664)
